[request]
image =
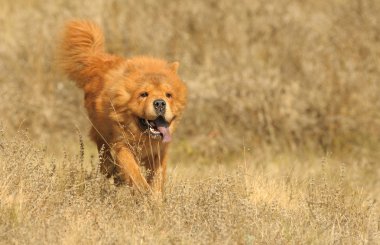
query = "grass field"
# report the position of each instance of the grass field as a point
(280, 142)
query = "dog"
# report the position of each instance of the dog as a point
(134, 105)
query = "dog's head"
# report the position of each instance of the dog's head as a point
(148, 98)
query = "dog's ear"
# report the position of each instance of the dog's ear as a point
(174, 66)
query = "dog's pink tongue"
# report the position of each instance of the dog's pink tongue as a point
(165, 133)
(163, 127)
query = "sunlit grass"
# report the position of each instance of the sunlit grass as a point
(279, 143)
(67, 200)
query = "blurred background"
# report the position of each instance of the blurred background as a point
(280, 143)
(294, 76)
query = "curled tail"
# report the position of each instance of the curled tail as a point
(81, 53)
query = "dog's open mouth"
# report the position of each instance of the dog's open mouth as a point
(158, 128)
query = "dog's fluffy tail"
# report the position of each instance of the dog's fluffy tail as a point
(81, 53)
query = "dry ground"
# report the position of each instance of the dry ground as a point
(280, 143)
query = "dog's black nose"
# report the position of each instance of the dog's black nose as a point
(159, 106)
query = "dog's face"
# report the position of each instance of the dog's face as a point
(150, 98)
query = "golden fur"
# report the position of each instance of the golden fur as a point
(118, 93)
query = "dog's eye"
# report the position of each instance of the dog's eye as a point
(144, 94)
(169, 95)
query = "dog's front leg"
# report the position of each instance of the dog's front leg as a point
(159, 173)
(129, 169)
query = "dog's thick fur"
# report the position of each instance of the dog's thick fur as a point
(118, 94)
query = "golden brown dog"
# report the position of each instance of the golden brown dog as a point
(134, 105)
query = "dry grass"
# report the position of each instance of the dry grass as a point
(67, 201)
(291, 80)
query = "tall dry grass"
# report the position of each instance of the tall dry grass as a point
(67, 201)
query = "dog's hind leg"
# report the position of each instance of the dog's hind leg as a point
(107, 165)
(157, 172)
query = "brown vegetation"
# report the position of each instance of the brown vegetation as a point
(284, 94)
(67, 200)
